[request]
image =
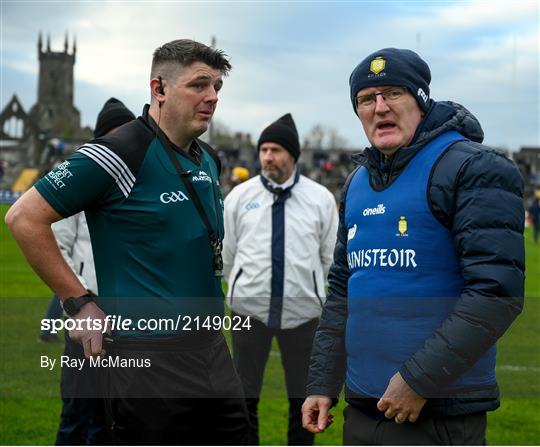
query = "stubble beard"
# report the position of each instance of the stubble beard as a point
(276, 175)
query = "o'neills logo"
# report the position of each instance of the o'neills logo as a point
(202, 177)
(422, 94)
(380, 209)
(351, 233)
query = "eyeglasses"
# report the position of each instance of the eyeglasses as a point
(390, 95)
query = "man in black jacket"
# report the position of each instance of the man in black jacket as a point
(428, 268)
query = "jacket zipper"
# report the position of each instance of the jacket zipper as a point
(234, 284)
(316, 289)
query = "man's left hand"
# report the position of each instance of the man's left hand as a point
(400, 401)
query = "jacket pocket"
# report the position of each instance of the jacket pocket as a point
(316, 288)
(234, 283)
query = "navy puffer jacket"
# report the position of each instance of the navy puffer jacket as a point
(477, 194)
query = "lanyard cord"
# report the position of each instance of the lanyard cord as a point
(215, 241)
(184, 174)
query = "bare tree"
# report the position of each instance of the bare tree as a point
(324, 137)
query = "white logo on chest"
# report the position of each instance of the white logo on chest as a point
(352, 232)
(202, 177)
(380, 209)
(252, 206)
(173, 197)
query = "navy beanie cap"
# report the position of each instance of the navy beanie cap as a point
(113, 114)
(392, 66)
(283, 132)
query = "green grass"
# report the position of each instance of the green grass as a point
(29, 396)
(17, 279)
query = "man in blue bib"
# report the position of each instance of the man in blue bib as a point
(428, 269)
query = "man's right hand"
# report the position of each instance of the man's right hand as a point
(315, 416)
(91, 340)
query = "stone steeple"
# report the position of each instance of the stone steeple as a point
(54, 112)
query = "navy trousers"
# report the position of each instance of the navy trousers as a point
(251, 350)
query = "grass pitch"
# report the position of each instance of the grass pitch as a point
(29, 396)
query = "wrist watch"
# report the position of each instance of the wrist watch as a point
(72, 306)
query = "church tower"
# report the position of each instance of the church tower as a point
(54, 114)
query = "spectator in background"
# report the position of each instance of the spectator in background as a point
(239, 174)
(280, 230)
(2, 169)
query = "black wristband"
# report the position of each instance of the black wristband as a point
(72, 306)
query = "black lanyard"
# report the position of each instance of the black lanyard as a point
(184, 175)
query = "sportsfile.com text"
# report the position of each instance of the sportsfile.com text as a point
(119, 323)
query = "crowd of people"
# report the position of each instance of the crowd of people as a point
(397, 294)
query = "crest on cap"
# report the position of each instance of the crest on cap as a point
(377, 65)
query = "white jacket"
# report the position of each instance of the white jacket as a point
(73, 240)
(311, 221)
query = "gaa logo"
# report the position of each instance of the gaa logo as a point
(173, 197)
(252, 206)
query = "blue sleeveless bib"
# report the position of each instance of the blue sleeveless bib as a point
(404, 275)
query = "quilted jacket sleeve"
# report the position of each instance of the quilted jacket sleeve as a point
(477, 193)
(328, 359)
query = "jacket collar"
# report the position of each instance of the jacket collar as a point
(287, 186)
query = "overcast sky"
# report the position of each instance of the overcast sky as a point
(291, 56)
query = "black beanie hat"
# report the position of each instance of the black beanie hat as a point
(283, 131)
(391, 66)
(113, 114)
